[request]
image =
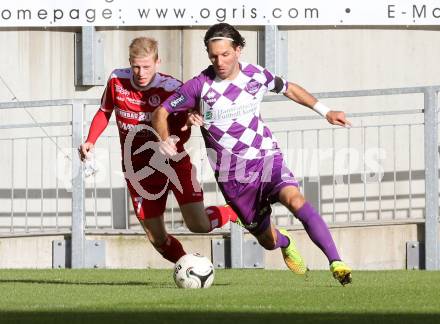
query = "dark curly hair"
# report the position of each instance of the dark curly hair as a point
(224, 30)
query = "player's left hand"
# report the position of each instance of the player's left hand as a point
(168, 147)
(338, 118)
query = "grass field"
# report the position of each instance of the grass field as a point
(237, 296)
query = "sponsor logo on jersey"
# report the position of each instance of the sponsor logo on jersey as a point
(178, 101)
(145, 116)
(137, 102)
(154, 100)
(234, 111)
(128, 127)
(208, 115)
(210, 97)
(127, 114)
(121, 90)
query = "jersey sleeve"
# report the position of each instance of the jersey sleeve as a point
(185, 98)
(108, 96)
(275, 83)
(102, 116)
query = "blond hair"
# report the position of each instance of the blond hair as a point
(142, 47)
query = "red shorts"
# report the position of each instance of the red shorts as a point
(149, 195)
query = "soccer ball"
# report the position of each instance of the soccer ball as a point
(193, 271)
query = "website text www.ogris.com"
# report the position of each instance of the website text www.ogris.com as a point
(223, 14)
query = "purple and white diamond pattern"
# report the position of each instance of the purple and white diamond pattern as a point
(245, 135)
(211, 97)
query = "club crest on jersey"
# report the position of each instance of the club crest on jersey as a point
(154, 100)
(252, 87)
(178, 101)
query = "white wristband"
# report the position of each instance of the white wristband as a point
(321, 109)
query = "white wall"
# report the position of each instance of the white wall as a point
(38, 64)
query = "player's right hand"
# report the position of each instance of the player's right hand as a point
(194, 119)
(84, 149)
(338, 118)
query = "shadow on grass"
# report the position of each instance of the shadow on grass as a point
(211, 317)
(91, 283)
(153, 284)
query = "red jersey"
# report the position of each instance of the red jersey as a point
(134, 105)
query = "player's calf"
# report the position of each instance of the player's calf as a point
(219, 216)
(200, 220)
(171, 249)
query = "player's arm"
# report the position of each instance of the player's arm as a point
(182, 100)
(303, 97)
(159, 122)
(99, 122)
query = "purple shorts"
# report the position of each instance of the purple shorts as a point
(251, 198)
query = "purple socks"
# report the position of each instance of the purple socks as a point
(282, 241)
(317, 230)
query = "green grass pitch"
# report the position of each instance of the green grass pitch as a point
(237, 296)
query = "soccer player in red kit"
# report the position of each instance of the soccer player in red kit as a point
(133, 94)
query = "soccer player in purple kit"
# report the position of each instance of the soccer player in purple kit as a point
(247, 161)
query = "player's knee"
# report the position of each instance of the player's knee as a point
(295, 201)
(199, 227)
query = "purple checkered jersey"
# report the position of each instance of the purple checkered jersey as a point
(233, 128)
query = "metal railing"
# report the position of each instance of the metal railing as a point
(69, 204)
